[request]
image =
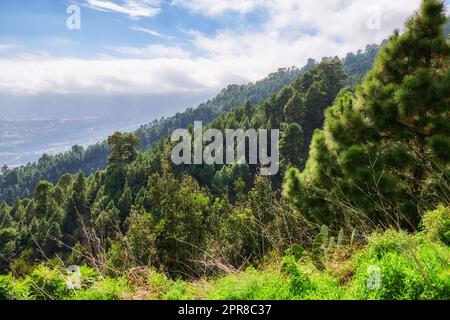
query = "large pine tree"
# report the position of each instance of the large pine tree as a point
(384, 153)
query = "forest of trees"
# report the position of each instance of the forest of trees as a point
(359, 154)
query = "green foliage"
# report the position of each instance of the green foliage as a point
(169, 227)
(295, 109)
(394, 265)
(124, 204)
(88, 276)
(6, 288)
(299, 281)
(179, 290)
(123, 148)
(291, 145)
(47, 284)
(141, 237)
(106, 289)
(437, 224)
(18, 182)
(250, 285)
(377, 157)
(357, 65)
(293, 282)
(410, 268)
(320, 247)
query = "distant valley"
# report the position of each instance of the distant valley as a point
(26, 133)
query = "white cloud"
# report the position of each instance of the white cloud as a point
(106, 76)
(151, 32)
(135, 9)
(7, 46)
(217, 7)
(152, 51)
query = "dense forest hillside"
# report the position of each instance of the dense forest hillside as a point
(364, 183)
(21, 181)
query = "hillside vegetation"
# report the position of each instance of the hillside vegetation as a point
(410, 266)
(359, 210)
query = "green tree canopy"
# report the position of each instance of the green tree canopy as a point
(123, 148)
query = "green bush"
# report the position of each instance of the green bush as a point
(46, 284)
(250, 285)
(325, 287)
(158, 284)
(306, 282)
(88, 276)
(299, 281)
(436, 224)
(179, 290)
(106, 289)
(398, 266)
(6, 288)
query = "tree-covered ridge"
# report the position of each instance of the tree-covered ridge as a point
(21, 181)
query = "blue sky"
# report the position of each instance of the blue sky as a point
(167, 55)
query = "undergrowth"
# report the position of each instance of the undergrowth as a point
(393, 265)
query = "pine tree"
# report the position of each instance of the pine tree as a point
(295, 110)
(42, 197)
(291, 146)
(6, 220)
(123, 148)
(373, 154)
(124, 204)
(76, 208)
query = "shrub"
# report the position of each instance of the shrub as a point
(106, 289)
(325, 287)
(250, 285)
(436, 224)
(158, 284)
(299, 281)
(47, 284)
(6, 288)
(21, 268)
(306, 282)
(179, 290)
(401, 267)
(88, 276)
